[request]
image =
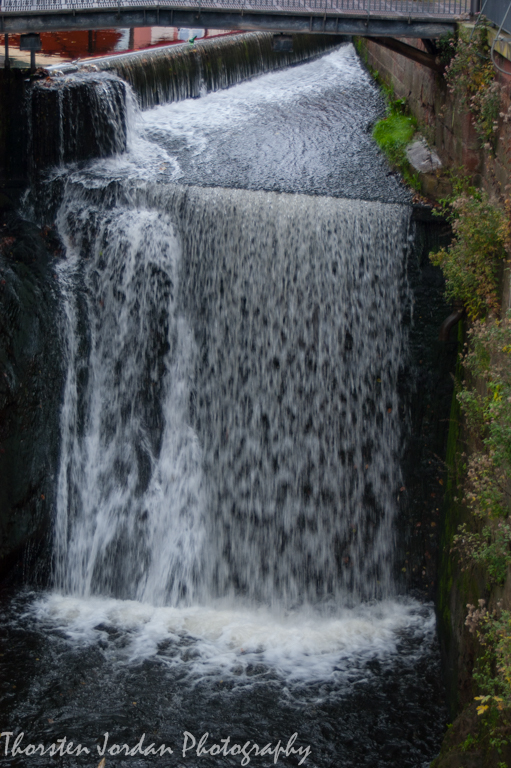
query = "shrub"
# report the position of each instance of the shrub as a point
(492, 672)
(487, 408)
(471, 264)
(470, 76)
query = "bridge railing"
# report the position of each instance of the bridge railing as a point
(407, 8)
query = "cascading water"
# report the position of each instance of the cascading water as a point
(178, 72)
(282, 400)
(129, 501)
(77, 118)
(231, 437)
(295, 304)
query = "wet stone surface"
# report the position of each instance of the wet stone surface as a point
(30, 384)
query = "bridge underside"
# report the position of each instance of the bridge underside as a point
(324, 23)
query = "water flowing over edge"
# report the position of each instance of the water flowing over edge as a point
(166, 293)
(178, 72)
(100, 226)
(257, 509)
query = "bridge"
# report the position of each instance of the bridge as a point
(424, 19)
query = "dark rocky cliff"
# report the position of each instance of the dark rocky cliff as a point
(30, 386)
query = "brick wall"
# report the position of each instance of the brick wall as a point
(442, 119)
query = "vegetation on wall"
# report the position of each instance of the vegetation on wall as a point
(484, 541)
(473, 266)
(471, 77)
(492, 674)
(395, 131)
(472, 263)
(486, 403)
(393, 134)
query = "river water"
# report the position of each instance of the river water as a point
(233, 293)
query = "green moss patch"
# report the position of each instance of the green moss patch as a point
(393, 134)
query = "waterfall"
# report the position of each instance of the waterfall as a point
(236, 346)
(129, 498)
(83, 111)
(178, 72)
(296, 306)
(76, 118)
(230, 424)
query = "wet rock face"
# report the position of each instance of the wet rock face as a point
(425, 395)
(30, 386)
(13, 134)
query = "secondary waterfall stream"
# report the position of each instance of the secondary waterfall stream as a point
(233, 295)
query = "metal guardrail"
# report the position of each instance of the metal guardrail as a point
(495, 10)
(427, 9)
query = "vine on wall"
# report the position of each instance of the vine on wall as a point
(471, 77)
(473, 268)
(486, 404)
(472, 263)
(492, 674)
(485, 399)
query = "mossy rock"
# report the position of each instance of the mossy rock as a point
(466, 745)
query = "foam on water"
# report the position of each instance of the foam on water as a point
(283, 131)
(304, 130)
(244, 103)
(152, 135)
(296, 646)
